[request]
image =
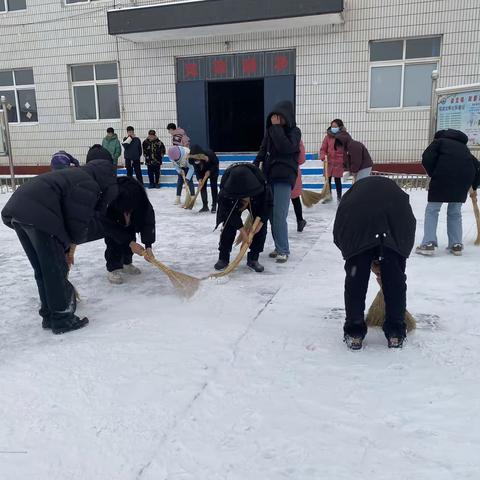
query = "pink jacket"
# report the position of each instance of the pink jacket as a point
(297, 190)
(335, 157)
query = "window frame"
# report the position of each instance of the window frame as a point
(16, 89)
(76, 3)
(7, 10)
(94, 83)
(403, 62)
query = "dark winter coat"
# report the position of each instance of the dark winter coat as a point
(132, 150)
(355, 154)
(451, 166)
(153, 151)
(97, 152)
(278, 155)
(243, 180)
(202, 166)
(65, 203)
(372, 207)
(142, 219)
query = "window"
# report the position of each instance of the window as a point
(18, 87)
(401, 72)
(12, 5)
(95, 91)
(70, 2)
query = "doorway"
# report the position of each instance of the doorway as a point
(236, 115)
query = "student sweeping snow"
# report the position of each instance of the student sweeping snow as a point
(375, 223)
(180, 157)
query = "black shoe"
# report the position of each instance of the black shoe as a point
(152, 185)
(221, 265)
(46, 323)
(395, 342)
(255, 266)
(353, 343)
(301, 225)
(204, 209)
(214, 208)
(67, 326)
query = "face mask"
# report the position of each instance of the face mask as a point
(334, 130)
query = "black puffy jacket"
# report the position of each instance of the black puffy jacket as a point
(97, 152)
(65, 203)
(202, 167)
(280, 147)
(451, 166)
(372, 207)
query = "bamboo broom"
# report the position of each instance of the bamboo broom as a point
(476, 211)
(188, 195)
(257, 224)
(201, 184)
(376, 312)
(310, 198)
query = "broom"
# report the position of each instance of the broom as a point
(473, 196)
(247, 225)
(188, 195)
(201, 184)
(186, 284)
(257, 224)
(376, 312)
(310, 198)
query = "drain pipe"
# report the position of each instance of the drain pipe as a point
(8, 142)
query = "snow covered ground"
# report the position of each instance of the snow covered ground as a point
(247, 380)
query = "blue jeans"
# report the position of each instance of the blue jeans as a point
(278, 217)
(180, 183)
(454, 223)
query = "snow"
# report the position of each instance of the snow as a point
(247, 380)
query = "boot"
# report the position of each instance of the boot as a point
(222, 264)
(253, 264)
(46, 323)
(214, 208)
(115, 277)
(131, 269)
(204, 209)
(75, 323)
(301, 225)
(177, 200)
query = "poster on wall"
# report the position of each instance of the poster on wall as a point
(461, 111)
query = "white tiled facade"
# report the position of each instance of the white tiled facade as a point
(332, 71)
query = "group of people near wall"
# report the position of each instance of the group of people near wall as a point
(374, 224)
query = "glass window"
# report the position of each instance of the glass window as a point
(6, 78)
(24, 77)
(106, 71)
(381, 51)
(85, 102)
(423, 48)
(68, 2)
(82, 73)
(2, 6)
(27, 103)
(11, 104)
(386, 87)
(16, 5)
(417, 87)
(108, 106)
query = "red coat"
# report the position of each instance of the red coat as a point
(297, 190)
(335, 156)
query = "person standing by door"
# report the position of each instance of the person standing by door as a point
(278, 158)
(132, 154)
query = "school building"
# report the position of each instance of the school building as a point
(72, 68)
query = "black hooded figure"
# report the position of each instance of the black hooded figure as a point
(278, 159)
(243, 187)
(375, 223)
(50, 214)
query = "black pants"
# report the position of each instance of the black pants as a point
(180, 184)
(47, 257)
(297, 206)
(117, 255)
(153, 174)
(132, 165)
(228, 237)
(394, 283)
(338, 186)
(213, 179)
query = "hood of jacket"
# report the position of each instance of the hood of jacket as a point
(104, 173)
(286, 110)
(452, 134)
(243, 180)
(111, 139)
(343, 137)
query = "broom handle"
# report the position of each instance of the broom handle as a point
(201, 184)
(476, 211)
(157, 263)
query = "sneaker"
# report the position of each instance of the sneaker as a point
(456, 249)
(353, 343)
(221, 265)
(204, 209)
(427, 249)
(214, 208)
(273, 254)
(131, 269)
(281, 258)
(255, 266)
(395, 342)
(177, 200)
(115, 277)
(301, 225)
(69, 325)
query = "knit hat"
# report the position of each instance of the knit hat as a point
(242, 182)
(174, 153)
